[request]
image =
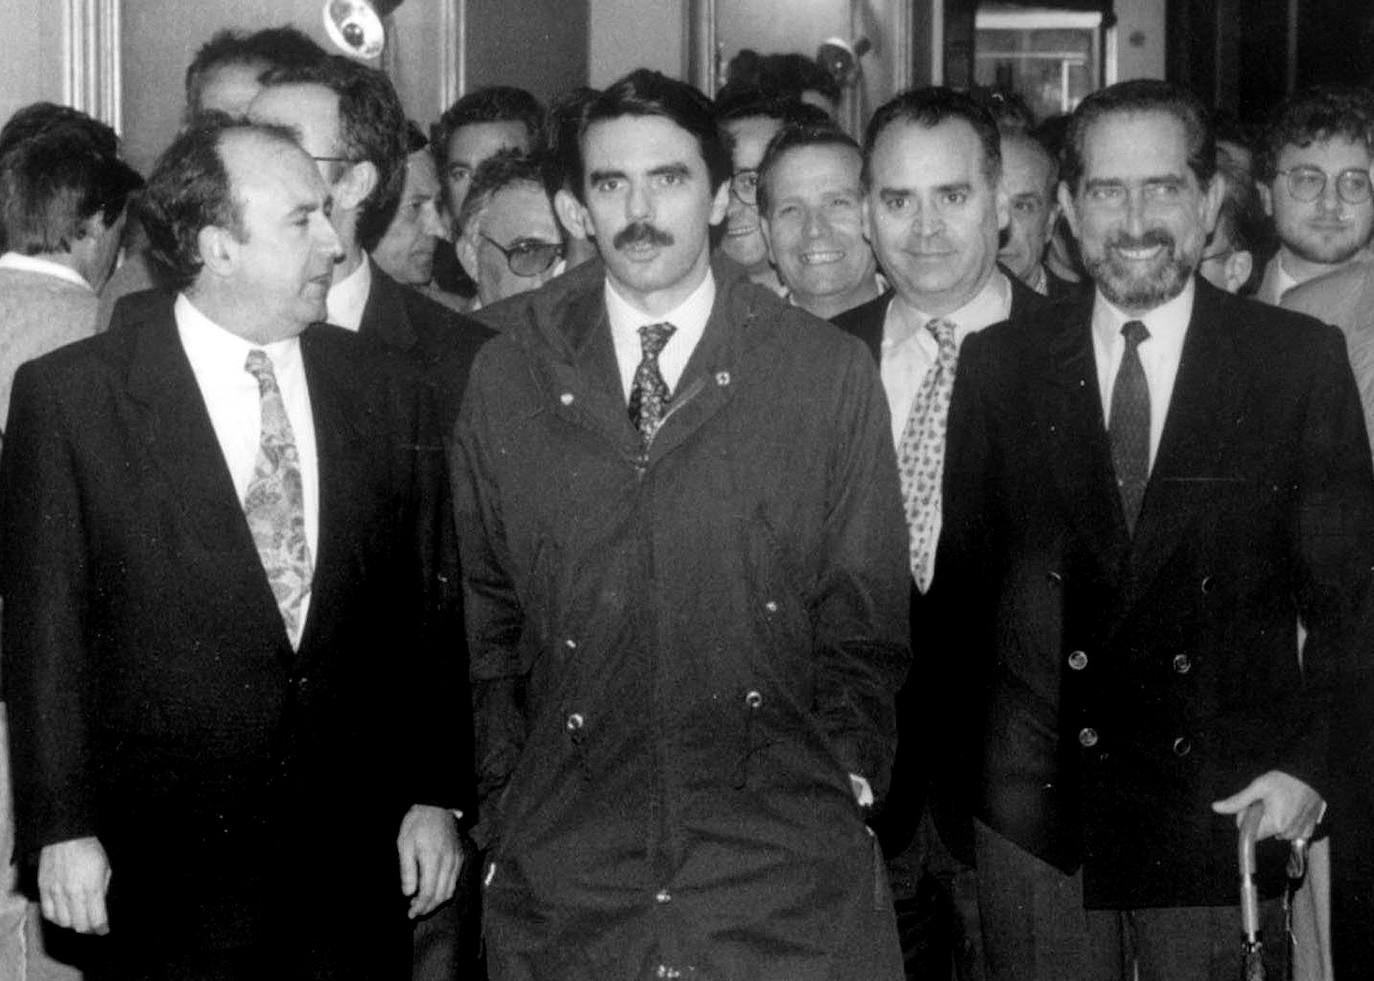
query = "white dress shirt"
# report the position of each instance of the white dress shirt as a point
(231, 396)
(1159, 353)
(909, 350)
(689, 317)
(348, 297)
(34, 264)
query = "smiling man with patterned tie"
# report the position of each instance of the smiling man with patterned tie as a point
(934, 208)
(215, 604)
(686, 596)
(1148, 488)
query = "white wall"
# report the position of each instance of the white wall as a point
(1140, 39)
(30, 54)
(629, 34)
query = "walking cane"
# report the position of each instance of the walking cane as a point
(1252, 944)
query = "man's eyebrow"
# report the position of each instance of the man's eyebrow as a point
(671, 170)
(597, 176)
(954, 186)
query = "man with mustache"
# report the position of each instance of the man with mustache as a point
(229, 753)
(1315, 183)
(686, 596)
(1147, 489)
(934, 206)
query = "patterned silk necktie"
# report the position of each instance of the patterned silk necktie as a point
(275, 503)
(649, 391)
(1129, 426)
(921, 454)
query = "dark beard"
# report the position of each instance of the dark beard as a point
(1135, 291)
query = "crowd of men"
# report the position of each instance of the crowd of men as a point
(656, 537)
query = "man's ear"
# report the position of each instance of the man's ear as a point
(219, 249)
(1216, 193)
(1266, 194)
(1003, 200)
(467, 253)
(1067, 206)
(570, 213)
(1238, 267)
(767, 232)
(720, 203)
(356, 184)
(866, 219)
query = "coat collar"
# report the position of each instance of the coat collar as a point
(570, 335)
(385, 317)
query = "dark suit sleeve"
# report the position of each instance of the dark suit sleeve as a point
(861, 612)
(1334, 544)
(47, 672)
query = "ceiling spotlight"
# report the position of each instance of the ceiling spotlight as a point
(355, 26)
(841, 58)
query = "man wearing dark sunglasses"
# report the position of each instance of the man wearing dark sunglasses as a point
(1315, 183)
(510, 241)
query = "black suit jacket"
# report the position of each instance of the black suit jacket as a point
(156, 701)
(435, 340)
(1131, 682)
(935, 748)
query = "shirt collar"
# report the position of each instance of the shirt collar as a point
(348, 297)
(1167, 323)
(991, 305)
(689, 316)
(216, 352)
(35, 264)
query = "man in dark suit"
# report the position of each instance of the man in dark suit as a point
(1148, 490)
(217, 647)
(934, 210)
(350, 120)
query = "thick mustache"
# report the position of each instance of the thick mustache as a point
(641, 232)
(1155, 236)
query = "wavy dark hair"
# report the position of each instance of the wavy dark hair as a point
(650, 93)
(372, 128)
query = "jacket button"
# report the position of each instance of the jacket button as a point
(566, 398)
(1087, 737)
(1078, 660)
(754, 698)
(570, 644)
(663, 896)
(1182, 747)
(722, 378)
(1205, 585)
(575, 722)
(1054, 578)
(771, 606)
(1182, 664)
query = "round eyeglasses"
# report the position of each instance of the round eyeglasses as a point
(745, 186)
(528, 257)
(1309, 183)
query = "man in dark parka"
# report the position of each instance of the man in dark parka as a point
(686, 595)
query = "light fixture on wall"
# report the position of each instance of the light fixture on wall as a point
(841, 58)
(355, 26)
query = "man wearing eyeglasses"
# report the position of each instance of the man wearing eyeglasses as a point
(749, 119)
(1315, 183)
(510, 240)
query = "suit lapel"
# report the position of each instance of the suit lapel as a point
(340, 464)
(1203, 410)
(1069, 403)
(174, 426)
